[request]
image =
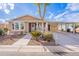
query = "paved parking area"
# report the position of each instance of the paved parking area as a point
(64, 38)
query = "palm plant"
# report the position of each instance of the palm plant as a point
(39, 9)
(45, 5)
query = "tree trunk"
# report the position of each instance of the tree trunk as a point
(44, 11)
(39, 10)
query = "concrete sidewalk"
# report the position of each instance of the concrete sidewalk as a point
(23, 41)
(37, 50)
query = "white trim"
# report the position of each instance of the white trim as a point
(42, 27)
(46, 27)
(27, 24)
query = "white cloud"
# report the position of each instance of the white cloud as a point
(70, 17)
(3, 20)
(60, 15)
(6, 7)
(6, 11)
(70, 7)
(11, 6)
(50, 16)
(73, 6)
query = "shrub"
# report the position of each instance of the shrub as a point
(36, 34)
(1, 32)
(5, 29)
(48, 36)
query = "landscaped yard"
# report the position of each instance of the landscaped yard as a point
(45, 39)
(38, 43)
(9, 39)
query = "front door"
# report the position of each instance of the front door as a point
(49, 27)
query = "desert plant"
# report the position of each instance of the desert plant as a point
(1, 32)
(5, 29)
(48, 36)
(36, 34)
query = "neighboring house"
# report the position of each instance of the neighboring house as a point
(3, 25)
(29, 23)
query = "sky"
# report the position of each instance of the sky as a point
(54, 11)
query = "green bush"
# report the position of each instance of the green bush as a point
(48, 36)
(36, 34)
(1, 32)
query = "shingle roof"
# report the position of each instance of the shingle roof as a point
(26, 18)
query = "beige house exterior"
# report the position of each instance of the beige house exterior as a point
(29, 23)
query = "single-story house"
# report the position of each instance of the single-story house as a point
(29, 23)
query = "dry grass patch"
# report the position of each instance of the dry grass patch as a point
(9, 39)
(34, 43)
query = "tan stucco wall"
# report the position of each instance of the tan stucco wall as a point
(54, 27)
(26, 27)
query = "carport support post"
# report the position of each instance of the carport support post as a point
(74, 28)
(42, 27)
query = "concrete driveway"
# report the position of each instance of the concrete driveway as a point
(64, 38)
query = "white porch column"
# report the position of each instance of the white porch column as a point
(37, 26)
(27, 27)
(46, 27)
(42, 27)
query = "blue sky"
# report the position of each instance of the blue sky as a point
(54, 10)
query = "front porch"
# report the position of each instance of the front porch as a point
(38, 26)
(25, 27)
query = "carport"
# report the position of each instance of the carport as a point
(68, 26)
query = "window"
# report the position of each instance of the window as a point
(16, 26)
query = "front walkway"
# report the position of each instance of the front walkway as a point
(23, 41)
